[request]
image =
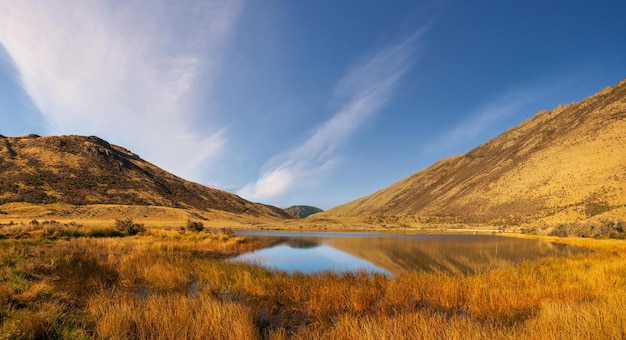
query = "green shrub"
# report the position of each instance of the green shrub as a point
(620, 226)
(561, 231)
(530, 230)
(195, 226)
(595, 208)
(128, 227)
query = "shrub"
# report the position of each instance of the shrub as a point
(620, 226)
(530, 231)
(128, 227)
(595, 208)
(196, 226)
(561, 231)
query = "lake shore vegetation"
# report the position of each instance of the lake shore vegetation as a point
(68, 281)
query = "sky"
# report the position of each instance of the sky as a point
(299, 102)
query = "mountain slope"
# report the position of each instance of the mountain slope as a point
(566, 163)
(87, 170)
(302, 211)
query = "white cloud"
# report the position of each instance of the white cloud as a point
(124, 70)
(366, 87)
(481, 121)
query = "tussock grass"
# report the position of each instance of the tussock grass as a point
(53, 230)
(123, 315)
(165, 284)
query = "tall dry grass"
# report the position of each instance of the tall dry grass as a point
(127, 315)
(168, 285)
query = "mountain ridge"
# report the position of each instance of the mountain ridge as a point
(568, 163)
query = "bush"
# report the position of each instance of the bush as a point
(196, 226)
(595, 208)
(529, 231)
(561, 231)
(620, 226)
(128, 227)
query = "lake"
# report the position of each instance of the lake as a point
(312, 252)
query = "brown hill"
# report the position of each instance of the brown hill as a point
(81, 170)
(564, 164)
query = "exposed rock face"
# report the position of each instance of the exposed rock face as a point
(566, 163)
(88, 170)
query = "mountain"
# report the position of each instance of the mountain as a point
(565, 164)
(302, 211)
(81, 170)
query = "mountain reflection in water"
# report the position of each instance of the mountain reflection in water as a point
(394, 253)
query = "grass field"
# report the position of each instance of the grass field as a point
(162, 284)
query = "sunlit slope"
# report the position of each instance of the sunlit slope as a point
(81, 170)
(563, 164)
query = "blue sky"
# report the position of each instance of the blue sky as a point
(294, 102)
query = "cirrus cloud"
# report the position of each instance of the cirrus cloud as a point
(364, 90)
(124, 70)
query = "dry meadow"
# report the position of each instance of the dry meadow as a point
(64, 281)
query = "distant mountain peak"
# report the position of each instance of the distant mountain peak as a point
(302, 211)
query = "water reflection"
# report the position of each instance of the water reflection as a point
(394, 253)
(308, 257)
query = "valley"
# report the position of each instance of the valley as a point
(96, 242)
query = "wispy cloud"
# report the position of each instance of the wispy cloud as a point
(364, 90)
(482, 121)
(124, 70)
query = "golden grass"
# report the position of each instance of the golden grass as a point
(167, 285)
(123, 315)
(100, 215)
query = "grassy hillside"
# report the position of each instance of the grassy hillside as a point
(564, 164)
(79, 170)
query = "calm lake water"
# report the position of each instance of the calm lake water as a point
(311, 252)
